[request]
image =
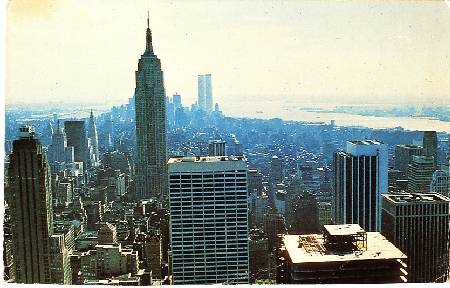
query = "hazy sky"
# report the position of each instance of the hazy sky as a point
(311, 51)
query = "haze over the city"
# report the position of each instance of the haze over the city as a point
(307, 52)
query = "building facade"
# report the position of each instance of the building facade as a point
(76, 137)
(420, 174)
(92, 135)
(31, 209)
(216, 148)
(151, 165)
(205, 99)
(403, 156)
(418, 224)
(360, 178)
(440, 183)
(430, 145)
(208, 220)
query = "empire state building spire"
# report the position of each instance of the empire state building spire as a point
(148, 47)
(150, 100)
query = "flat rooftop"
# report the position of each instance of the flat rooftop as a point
(203, 159)
(378, 247)
(343, 230)
(366, 142)
(200, 164)
(416, 197)
(410, 146)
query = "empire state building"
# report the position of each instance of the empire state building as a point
(151, 164)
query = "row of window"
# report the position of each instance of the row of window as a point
(207, 183)
(199, 249)
(201, 268)
(209, 205)
(238, 173)
(210, 187)
(241, 218)
(230, 233)
(196, 211)
(200, 223)
(199, 192)
(225, 218)
(186, 239)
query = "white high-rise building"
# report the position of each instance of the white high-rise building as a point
(208, 220)
(205, 99)
(361, 176)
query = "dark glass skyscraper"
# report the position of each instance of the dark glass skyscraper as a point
(151, 166)
(430, 144)
(76, 137)
(418, 224)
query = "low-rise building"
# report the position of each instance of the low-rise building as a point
(342, 254)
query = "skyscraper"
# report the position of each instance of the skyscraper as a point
(216, 148)
(208, 215)
(176, 99)
(151, 163)
(76, 137)
(57, 150)
(420, 173)
(254, 180)
(92, 134)
(31, 208)
(439, 183)
(430, 145)
(418, 225)
(403, 156)
(360, 178)
(205, 99)
(61, 272)
(276, 170)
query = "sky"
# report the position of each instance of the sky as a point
(342, 52)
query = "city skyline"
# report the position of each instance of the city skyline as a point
(156, 191)
(378, 51)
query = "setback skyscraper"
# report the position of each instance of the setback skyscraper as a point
(151, 164)
(420, 174)
(31, 208)
(360, 178)
(205, 100)
(403, 156)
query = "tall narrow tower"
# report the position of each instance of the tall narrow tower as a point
(205, 100)
(57, 150)
(151, 166)
(32, 214)
(92, 134)
(430, 145)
